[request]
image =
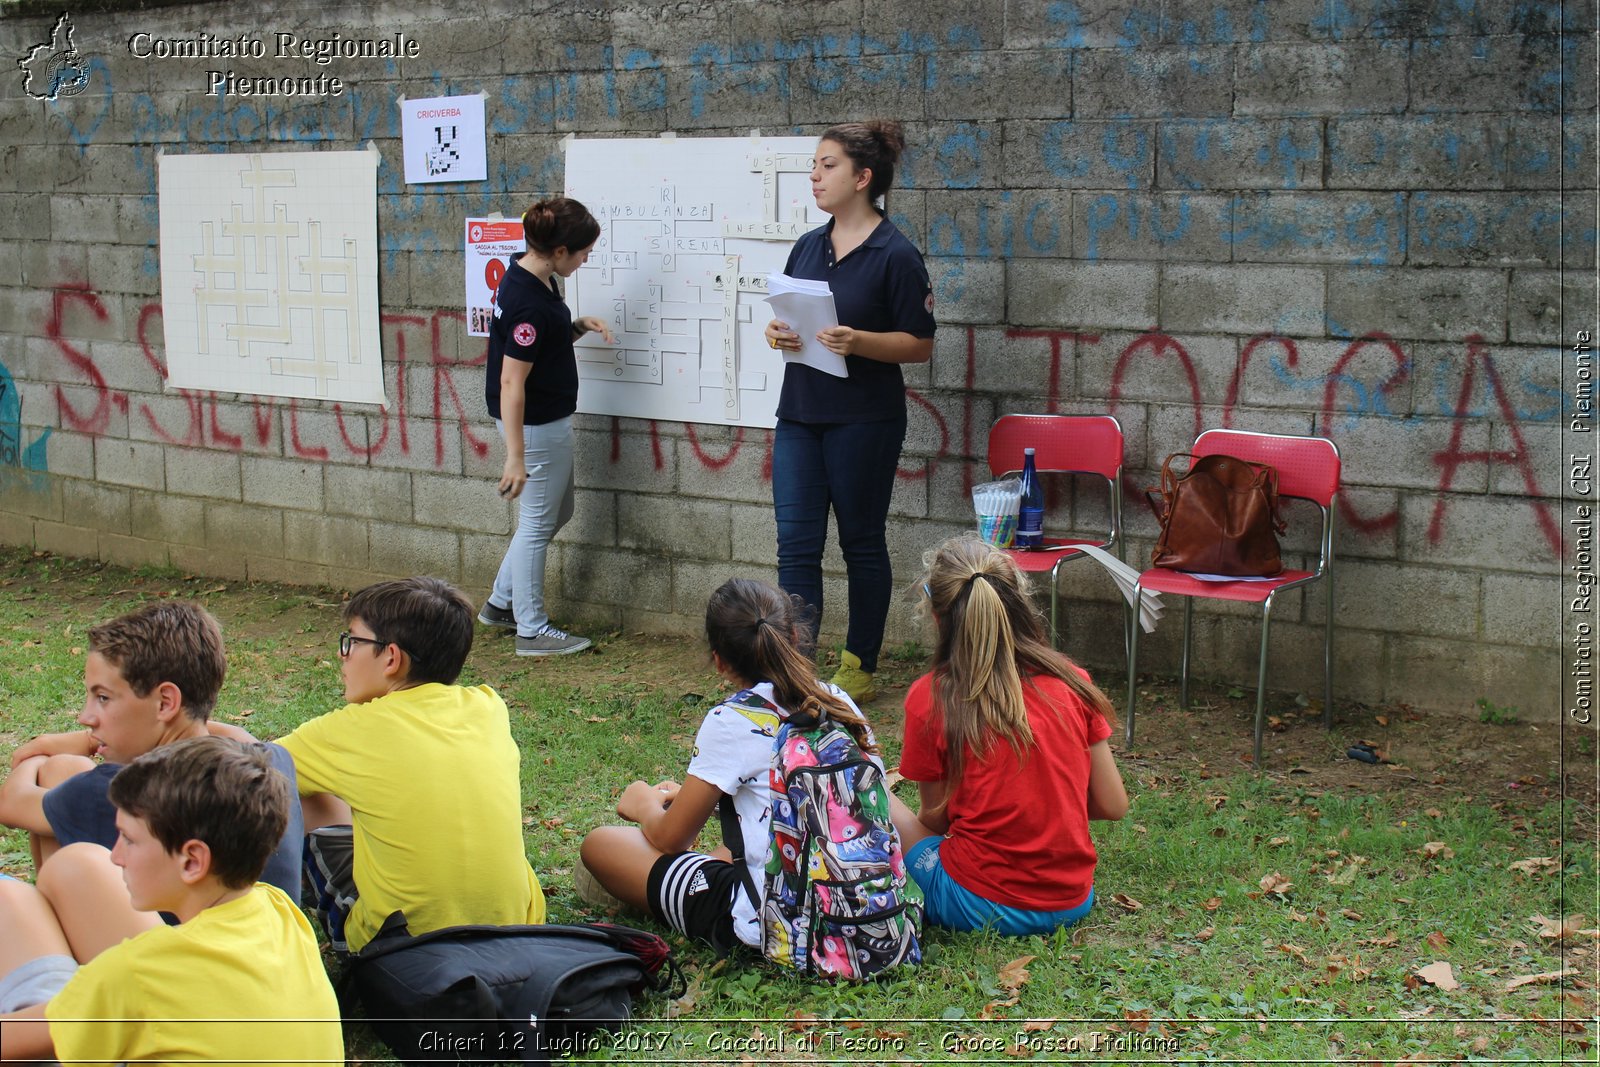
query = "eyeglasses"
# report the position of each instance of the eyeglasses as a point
(347, 639)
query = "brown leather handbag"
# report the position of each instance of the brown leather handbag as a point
(1221, 517)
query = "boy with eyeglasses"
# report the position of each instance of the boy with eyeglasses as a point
(424, 772)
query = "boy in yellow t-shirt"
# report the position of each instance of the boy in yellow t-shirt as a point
(239, 977)
(425, 772)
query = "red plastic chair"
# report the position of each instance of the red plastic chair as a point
(1308, 469)
(1062, 444)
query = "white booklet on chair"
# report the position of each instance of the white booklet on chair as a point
(1125, 577)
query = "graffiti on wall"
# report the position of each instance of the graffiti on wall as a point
(1370, 369)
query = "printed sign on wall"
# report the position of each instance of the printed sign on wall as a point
(443, 139)
(491, 246)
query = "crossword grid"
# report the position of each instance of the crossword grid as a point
(689, 230)
(263, 289)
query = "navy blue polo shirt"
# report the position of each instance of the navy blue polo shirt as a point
(532, 323)
(882, 287)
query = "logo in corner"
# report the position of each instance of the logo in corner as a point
(55, 68)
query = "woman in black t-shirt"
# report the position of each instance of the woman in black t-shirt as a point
(531, 388)
(837, 441)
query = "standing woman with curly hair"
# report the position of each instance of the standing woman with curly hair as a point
(1006, 740)
(838, 440)
(532, 390)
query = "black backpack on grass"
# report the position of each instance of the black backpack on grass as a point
(497, 994)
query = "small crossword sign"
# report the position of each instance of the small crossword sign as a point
(443, 139)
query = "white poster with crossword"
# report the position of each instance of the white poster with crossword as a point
(443, 139)
(269, 274)
(690, 227)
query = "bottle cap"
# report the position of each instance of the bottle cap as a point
(1027, 451)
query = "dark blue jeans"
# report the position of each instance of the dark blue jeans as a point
(847, 467)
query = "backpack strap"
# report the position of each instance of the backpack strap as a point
(733, 839)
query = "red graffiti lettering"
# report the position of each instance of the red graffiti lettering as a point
(194, 434)
(1451, 458)
(301, 449)
(1158, 345)
(927, 468)
(226, 439)
(442, 381)
(713, 462)
(1053, 393)
(96, 420)
(1291, 359)
(970, 380)
(1397, 377)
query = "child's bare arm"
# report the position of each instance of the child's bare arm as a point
(669, 815)
(228, 730)
(931, 811)
(71, 743)
(1107, 798)
(22, 796)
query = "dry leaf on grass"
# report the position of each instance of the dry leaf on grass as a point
(1435, 850)
(1540, 979)
(1558, 929)
(1035, 1025)
(1439, 974)
(1353, 916)
(1536, 865)
(1296, 951)
(1207, 934)
(892, 777)
(1434, 813)
(1438, 941)
(1124, 900)
(1217, 800)
(1213, 904)
(1277, 885)
(1276, 841)
(1137, 1020)
(1014, 975)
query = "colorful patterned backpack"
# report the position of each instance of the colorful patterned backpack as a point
(836, 904)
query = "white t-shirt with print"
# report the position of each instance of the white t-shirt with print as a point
(733, 751)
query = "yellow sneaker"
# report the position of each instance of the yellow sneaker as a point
(853, 680)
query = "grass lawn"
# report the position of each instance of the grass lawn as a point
(1239, 917)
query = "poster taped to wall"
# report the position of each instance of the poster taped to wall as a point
(269, 274)
(491, 246)
(443, 139)
(690, 227)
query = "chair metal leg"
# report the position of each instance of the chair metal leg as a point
(1327, 660)
(1133, 673)
(1261, 678)
(1183, 684)
(1055, 600)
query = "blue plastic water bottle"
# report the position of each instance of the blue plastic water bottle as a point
(1030, 516)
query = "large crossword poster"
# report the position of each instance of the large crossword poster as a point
(269, 279)
(689, 230)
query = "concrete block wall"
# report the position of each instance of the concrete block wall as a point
(1372, 220)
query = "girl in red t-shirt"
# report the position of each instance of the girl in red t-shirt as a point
(1006, 739)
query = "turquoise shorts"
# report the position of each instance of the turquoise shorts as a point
(947, 903)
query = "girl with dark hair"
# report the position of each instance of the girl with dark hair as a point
(756, 634)
(837, 441)
(1006, 739)
(532, 390)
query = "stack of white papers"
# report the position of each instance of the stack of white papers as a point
(1125, 576)
(807, 307)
